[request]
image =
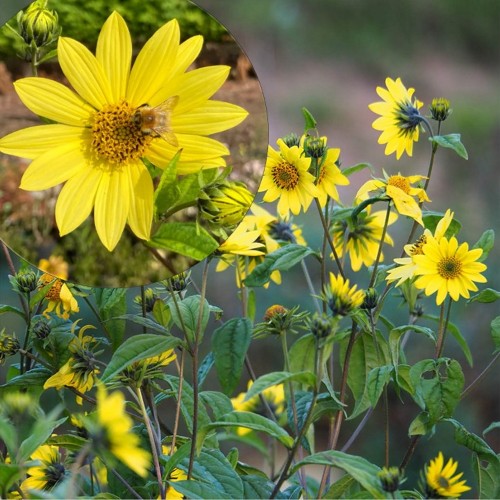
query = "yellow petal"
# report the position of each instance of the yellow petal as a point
(33, 141)
(141, 203)
(187, 53)
(53, 167)
(53, 101)
(114, 52)
(76, 200)
(111, 207)
(152, 64)
(84, 72)
(210, 118)
(195, 87)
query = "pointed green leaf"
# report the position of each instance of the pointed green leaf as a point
(364, 472)
(256, 486)
(35, 377)
(486, 242)
(485, 296)
(230, 343)
(356, 168)
(396, 334)
(9, 474)
(451, 141)
(185, 238)
(185, 315)
(167, 192)
(280, 260)
(4, 308)
(248, 420)
(198, 489)
(309, 121)
(495, 333)
(68, 441)
(161, 313)
(150, 325)
(217, 402)
(135, 349)
(111, 302)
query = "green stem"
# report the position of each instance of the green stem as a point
(379, 252)
(442, 329)
(480, 376)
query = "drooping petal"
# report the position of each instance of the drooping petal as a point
(111, 207)
(76, 199)
(210, 118)
(54, 167)
(160, 51)
(53, 101)
(114, 52)
(33, 141)
(84, 72)
(141, 202)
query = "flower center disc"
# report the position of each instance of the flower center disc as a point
(400, 182)
(449, 268)
(116, 136)
(285, 176)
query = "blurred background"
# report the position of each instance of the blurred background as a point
(329, 56)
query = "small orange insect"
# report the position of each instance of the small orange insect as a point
(155, 120)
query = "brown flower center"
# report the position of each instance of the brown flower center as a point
(400, 182)
(449, 268)
(285, 176)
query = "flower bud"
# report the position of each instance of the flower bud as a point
(27, 281)
(41, 328)
(37, 25)
(371, 299)
(9, 345)
(440, 109)
(315, 147)
(177, 283)
(321, 326)
(291, 140)
(390, 478)
(273, 311)
(150, 299)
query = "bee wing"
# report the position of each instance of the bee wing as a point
(168, 136)
(168, 105)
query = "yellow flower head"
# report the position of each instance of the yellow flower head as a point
(406, 268)
(80, 371)
(286, 178)
(118, 115)
(448, 269)
(242, 241)
(147, 369)
(49, 473)
(112, 432)
(55, 265)
(340, 297)
(361, 238)
(400, 190)
(59, 297)
(329, 177)
(441, 479)
(399, 119)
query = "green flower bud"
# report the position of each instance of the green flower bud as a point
(9, 345)
(371, 299)
(390, 478)
(315, 147)
(440, 109)
(37, 25)
(150, 298)
(177, 283)
(321, 326)
(27, 281)
(291, 140)
(41, 328)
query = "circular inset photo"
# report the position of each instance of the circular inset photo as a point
(132, 142)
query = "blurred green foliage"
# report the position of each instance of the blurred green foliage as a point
(82, 20)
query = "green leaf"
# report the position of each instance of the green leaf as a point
(4, 308)
(495, 333)
(11, 8)
(197, 489)
(421, 425)
(35, 377)
(185, 238)
(111, 302)
(274, 378)
(486, 242)
(167, 192)
(161, 313)
(248, 420)
(9, 474)
(8, 435)
(376, 381)
(135, 349)
(280, 260)
(435, 392)
(218, 402)
(42, 430)
(356, 168)
(230, 343)
(309, 121)
(395, 338)
(485, 296)
(364, 472)
(451, 141)
(205, 367)
(302, 354)
(213, 468)
(256, 486)
(339, 488)
(185, 315)
(68, 441)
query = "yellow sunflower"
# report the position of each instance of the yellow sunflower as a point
(329, 177)
(101, 132)
(286, 178)
(54, 265)
(341, 297)
(50, 471)
(400, 190)
(399, 119)
(406, 268)
(448, 269)
(360, 239)
(441, 479)
(59, 297)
